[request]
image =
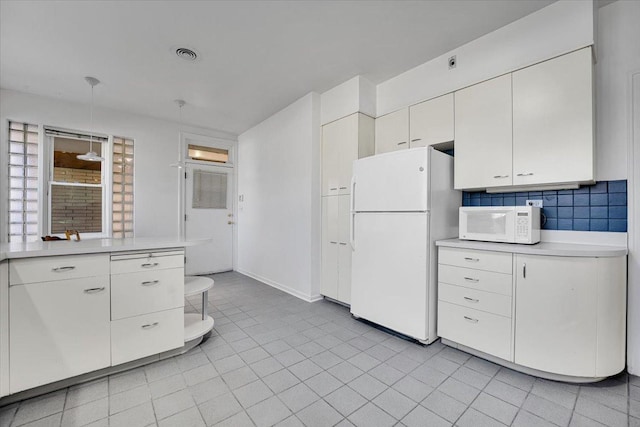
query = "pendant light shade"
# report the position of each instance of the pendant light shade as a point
(179, 164)
(91, 156)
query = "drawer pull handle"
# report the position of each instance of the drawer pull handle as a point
(471, 259)
(63, 269)
(333, 188)
(470, 319)
(149, 265)
(501, 176)
(416, 139)
(471, 279)
(473, 300)
(94, 290)
(343, 243)
(525, 174)
(150, 282)
(343, 188)
(333, 243)
(403, 142)
(150, 325)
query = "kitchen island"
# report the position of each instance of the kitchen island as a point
(71, 311)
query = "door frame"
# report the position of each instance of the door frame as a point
(209, 141)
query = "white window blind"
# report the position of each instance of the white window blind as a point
(23, 182)
(209, 190)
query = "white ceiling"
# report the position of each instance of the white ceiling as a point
(256, 57)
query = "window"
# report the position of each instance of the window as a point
(122, 187)
(76, 189)
(23, 182)
(209, 190)
(208, 154)
(58, 192)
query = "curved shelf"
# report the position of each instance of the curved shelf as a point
(195, 327)
(194, 285)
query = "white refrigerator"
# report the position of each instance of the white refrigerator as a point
(401, 203)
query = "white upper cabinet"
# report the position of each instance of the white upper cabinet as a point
(483, 135)
(431, 122)
(392, 131)
(344, 141)
(553, 121)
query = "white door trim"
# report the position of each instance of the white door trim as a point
(214, 142)
(633, 226)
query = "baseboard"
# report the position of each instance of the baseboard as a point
(281, 287)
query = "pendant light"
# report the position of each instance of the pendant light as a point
(91, 156)
(179, 164)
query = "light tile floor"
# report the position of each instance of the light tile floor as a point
(276, 360)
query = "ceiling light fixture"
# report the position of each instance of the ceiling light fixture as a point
(179, 164)
(91, 156)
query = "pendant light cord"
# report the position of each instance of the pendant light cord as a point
(91, 123)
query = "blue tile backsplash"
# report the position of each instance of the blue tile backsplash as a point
(598, 207)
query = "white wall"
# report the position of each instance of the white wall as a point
(279, 214)
(156, 189)
(355, 95)
(559, 28)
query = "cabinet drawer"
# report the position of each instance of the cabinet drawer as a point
(146, 292)
(478, 300)
(146, 335)
(482, 331)
(480, 260)
(47, 269)
(134, 263)
(499, 283)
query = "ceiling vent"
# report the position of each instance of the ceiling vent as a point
(186, 54)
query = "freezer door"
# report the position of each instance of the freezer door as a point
(390, 271)
(392, 182)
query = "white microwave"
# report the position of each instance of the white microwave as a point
(508, 224)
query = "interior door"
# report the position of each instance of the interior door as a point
(209, 215)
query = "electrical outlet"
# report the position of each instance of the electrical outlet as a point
(535, 203)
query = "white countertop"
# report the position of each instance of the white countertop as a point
(90, 246)
(542, 248)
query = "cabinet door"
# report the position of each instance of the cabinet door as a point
(556, 312)
(330, 246)
(58, 330)
(348, 150)
(431, 122)
(331, 157)
(344, 250)
(553, 121)
(483, 124)
(392, 131)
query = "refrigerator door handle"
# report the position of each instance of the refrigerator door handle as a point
(352, 237)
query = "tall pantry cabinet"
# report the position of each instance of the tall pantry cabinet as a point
(343, 141)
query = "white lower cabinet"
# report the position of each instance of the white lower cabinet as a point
(83, 319)
(58, 330)
(566, 319)
(146, 335)
(560, 317)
